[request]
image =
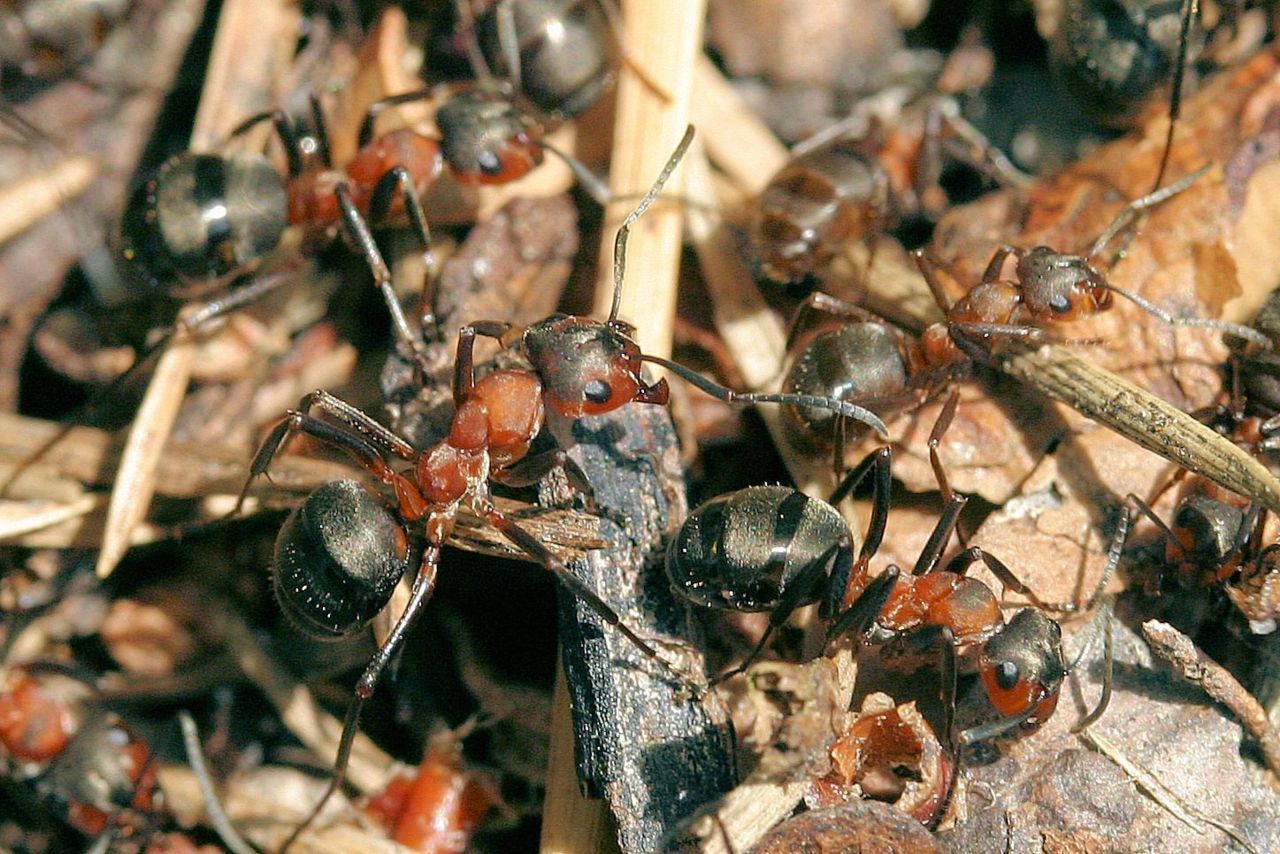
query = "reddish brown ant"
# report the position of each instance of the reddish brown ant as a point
(86, 763)
(841, 186)
(871, 362)
(771, 548)
(439, 807)
(341, 553)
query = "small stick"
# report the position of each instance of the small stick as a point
(28, 200)
(1139, 416)
(1180, 651)
(665, 36)
(195, 756)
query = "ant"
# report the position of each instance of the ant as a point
(558, 54)
(86, 763)
(439, 808)
(1215, 535)
(843, 185)
(772, 548)
(341, 553)
(879, 366)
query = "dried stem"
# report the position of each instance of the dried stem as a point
(1180, 651)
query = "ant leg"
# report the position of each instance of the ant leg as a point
(945, 417)
(509, 41)
(365, 425)
(823, 303)
(950, 687)
(996, 264)
(530, 545)
(1108, 671)
(465, 29)
(960, 565)
(464, 374)
(376, 108)
(358, 230)
(1130, 211)
(928, 269)
(839, 557)
(878, 464)
(728, 395)
(614, 18)
(423, 586)
(858, 618)
(380, 206)
(322, 131)
(1189, 8)
(411, 503)
(982, 155)
(839, 431)
(942, 531)
(530, 470)
(284, 129)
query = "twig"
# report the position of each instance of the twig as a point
(25, 202)
(1180, 651)
(195, 756)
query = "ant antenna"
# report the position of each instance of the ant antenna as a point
(1106, 614)
(620, 242)
(1189, 9)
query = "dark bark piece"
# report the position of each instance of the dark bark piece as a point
(653, 754)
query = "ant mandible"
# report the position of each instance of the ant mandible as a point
(339, 556)
(772, 548)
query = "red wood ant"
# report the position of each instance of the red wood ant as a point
(771, 548)
(871, 362)
(841, 186)
(86, 763)
(341, 553)
(439, 807)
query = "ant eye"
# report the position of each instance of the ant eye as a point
(1060, 304)
(597, 391)
(1007, 675)
(489, 163)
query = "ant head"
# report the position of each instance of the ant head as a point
(1055, 286)
(1022, 667)
(588, 367)
(485, 139)
(1207, 533)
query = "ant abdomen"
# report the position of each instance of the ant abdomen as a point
(200, 219)
(821, 199)
(567, 54)
(1114, 56)
(854, 362)
(743, 551)
(338, 557)
(485, 139)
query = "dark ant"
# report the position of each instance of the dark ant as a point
(1115, 56)
(342, 552)
(841, 186)
(46, 38)
(86, 763)
(561, 55)
(772, 548)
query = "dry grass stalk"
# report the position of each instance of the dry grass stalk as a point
(1141, 417)
(25, 202)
